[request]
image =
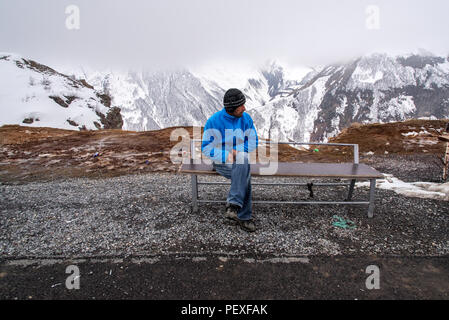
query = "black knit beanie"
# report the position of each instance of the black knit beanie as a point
(233, 99)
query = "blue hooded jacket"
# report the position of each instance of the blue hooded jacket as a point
(224, 132)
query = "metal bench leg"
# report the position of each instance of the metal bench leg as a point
(372, 189)
(351, 190)
(194, 179)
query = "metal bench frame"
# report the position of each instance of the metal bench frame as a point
(347, 201)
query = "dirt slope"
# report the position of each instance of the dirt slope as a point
(408, 137)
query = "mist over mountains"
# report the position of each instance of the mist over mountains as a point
(306, 104)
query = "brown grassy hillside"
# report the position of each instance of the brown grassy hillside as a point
(29, 153)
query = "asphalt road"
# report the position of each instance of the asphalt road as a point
(177, 277)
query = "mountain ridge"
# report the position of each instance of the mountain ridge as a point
(368, 89)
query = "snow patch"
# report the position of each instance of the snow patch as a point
(398, 108)
(426, 190)
(368, 77)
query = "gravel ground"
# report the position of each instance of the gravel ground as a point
(150, 215)
(409, 168)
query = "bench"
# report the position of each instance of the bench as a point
(349, 171)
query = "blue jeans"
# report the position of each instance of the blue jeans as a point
(240, 192)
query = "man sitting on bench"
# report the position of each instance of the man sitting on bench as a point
(229, 135)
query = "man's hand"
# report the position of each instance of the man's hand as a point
(232, 156)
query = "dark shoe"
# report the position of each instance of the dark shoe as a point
(231, 212)
(247, 225)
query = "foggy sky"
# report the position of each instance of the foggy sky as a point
(171, 33)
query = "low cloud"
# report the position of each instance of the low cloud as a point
(173, 33)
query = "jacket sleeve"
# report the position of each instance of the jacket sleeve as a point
(212, 143)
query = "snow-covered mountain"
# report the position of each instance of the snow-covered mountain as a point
(36, 95)
(308, 105)
(301, 104)
(155, 100)
(376, 88)
(373, 88)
